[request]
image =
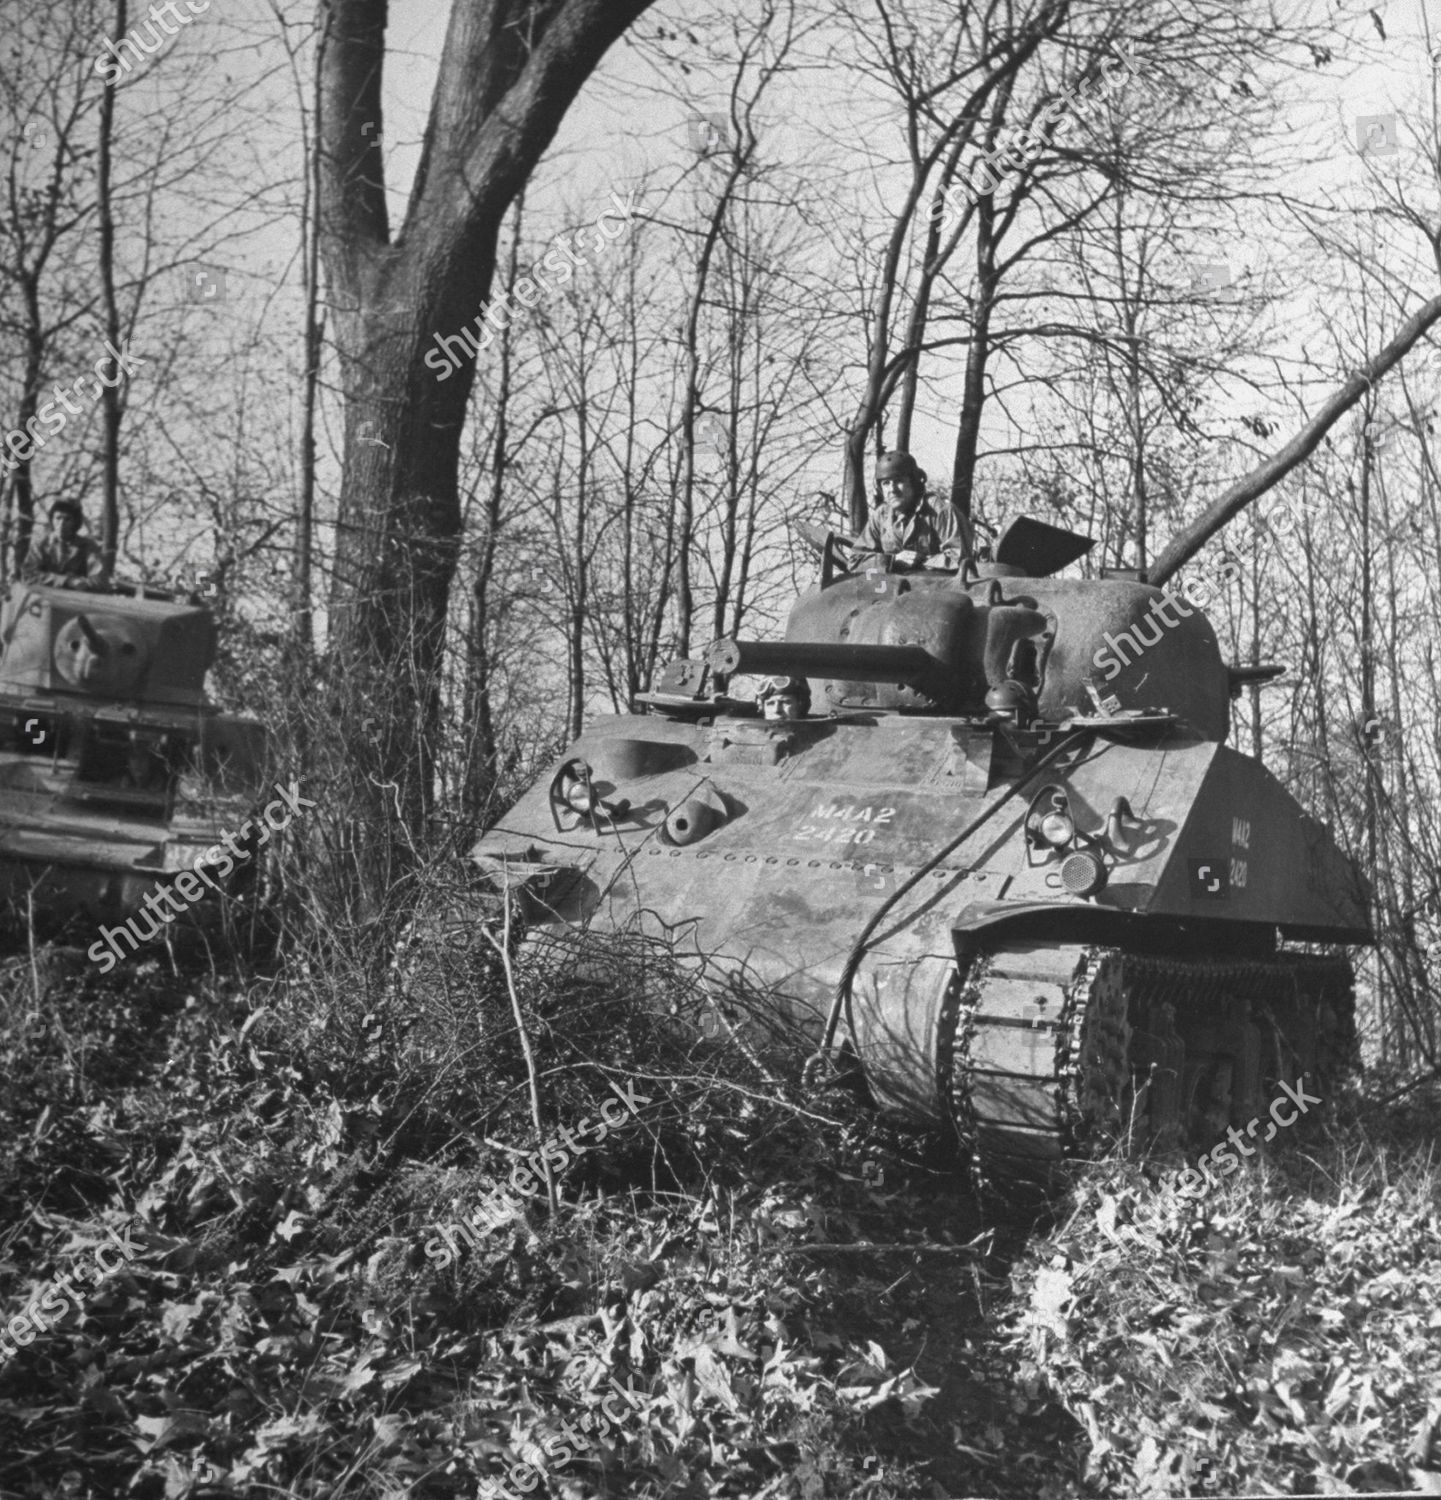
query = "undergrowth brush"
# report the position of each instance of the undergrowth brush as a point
(800, 1300)
(1279, 1334)
(777, 1280)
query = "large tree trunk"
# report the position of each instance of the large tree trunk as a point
(302, 623)
(396, 549)
(509, 71)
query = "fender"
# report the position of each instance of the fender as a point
(985, 922)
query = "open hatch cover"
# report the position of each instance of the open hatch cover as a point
(1040, 549)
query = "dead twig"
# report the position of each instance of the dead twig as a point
(866, 1248)
(503, 948)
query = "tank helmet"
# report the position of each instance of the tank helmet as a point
(899, 465)
(784, 697)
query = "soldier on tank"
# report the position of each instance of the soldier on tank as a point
(144, 768)
(784, 698)
(62, 553)
(905, 528)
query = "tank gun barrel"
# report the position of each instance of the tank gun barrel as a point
(841, 661)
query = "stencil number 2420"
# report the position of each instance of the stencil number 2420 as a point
(845, 830)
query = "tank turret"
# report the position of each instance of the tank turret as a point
(114, 770)
(1064, 643)
(1004, 865)
(119, 645)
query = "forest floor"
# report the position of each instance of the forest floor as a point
(799, 1302)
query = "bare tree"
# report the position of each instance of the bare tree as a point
(47, 208)
(999, 181)
(508, 72)
(944, 67)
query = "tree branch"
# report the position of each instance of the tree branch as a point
(1252, 486)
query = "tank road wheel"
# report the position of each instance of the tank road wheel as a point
(1158, 1063)
(1308, 1028)
(1057, 1051)
(1240, 1030)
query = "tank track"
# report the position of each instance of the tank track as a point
(1061, 1050)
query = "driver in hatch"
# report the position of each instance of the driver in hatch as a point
(144, 768)
(905, 529)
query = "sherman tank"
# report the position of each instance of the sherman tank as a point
(979, 834)
(114, 770)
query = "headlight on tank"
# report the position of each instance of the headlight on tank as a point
(1057, 829)
(581, 796)
(1053, 828)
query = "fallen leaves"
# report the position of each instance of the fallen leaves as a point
(1258, 1341)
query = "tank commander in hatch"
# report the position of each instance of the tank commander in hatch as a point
(62, 553)
(905, 528)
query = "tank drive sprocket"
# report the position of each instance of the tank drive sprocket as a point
(1057, 1051)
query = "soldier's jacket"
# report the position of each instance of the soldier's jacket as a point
(920, 532)
(80, 559)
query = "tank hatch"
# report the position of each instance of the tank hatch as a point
(1038, 549)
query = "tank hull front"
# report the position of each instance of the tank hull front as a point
(818, 822)
(102, 871)
(116, 776)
